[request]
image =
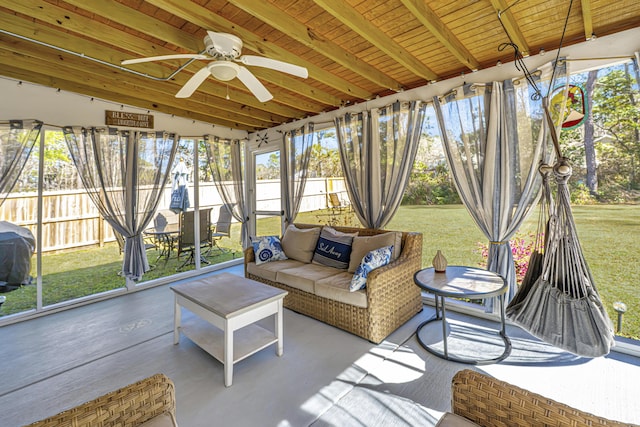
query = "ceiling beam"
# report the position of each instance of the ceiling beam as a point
(32, 30)
(139, 21)
(288, 25)
(28, 28)
(63, 84)
(432, 22)
(587, 19)
(510, 26)
(118, 12)
(35, 60)
(356, 22)
(203, 17)
(64, 19)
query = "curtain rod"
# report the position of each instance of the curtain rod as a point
(599, 59)
(3, 122)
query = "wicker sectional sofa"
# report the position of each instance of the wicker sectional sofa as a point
(322, 292)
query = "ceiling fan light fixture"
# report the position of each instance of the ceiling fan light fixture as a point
(223, 70)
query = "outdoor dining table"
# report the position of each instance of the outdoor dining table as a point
(164, 238)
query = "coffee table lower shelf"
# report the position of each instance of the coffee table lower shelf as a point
(246, 341)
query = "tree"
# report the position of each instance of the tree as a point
(59, 171)
(324, 161)
(605, 151)
(615, 113)
(589, 144)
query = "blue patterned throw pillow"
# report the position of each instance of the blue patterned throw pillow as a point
(267, 248)
(374, 259)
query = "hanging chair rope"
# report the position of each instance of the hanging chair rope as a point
(534, 267)
(558, 301)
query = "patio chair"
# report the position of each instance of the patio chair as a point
(336, 204)
(222, 227)
(186, 241)
(166, 227)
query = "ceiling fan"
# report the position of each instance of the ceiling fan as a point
(223, 50)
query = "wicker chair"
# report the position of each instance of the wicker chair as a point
(491, 402)
(130, 406)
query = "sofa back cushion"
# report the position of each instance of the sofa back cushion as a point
(300, 243)
(333, 248)
(362, 245)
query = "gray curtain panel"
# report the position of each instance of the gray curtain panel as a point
(296, 154)
(493, 140)
(226, 161)
(124, 173)
(377, 151)
(17, 138)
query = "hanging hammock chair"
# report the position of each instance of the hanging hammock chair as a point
(534, 267)
(558, 301)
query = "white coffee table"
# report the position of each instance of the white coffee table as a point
(229, 302)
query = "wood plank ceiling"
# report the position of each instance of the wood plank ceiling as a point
(354, 50)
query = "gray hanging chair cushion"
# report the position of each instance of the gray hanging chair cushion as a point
(578, 325)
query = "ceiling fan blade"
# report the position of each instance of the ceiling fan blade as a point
(285, 67)
(254, 85)
(194, 82)
(165, 57)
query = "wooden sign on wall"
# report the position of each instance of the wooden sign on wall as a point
(133, 120)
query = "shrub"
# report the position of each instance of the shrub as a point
(522, 246)
(430, 186)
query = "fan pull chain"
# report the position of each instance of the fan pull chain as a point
(228, 98)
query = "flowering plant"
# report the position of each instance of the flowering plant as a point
(522, 245)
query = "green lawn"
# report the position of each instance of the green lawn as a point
(608, 235)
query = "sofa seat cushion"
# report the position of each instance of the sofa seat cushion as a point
(305, 276)
(268, 270)
(336, 288)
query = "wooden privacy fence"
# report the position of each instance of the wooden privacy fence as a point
(71, 220)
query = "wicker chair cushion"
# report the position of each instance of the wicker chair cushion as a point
(336, 288)
(299, 243)
(334, 248)
(362, 245)
(162, 420)
(453, 420)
